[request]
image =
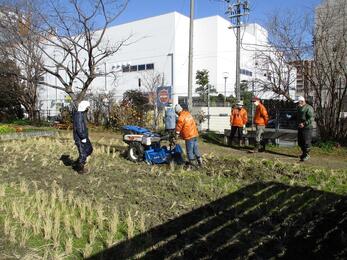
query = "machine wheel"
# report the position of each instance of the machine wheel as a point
(136, 152)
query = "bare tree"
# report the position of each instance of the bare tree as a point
(330, 68)
(151, 80)
(288, 36)
(101, 104)
(318, 48)
(73, 40)
(20, 46)
(278, 71)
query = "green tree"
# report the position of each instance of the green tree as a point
(10, 91)
(246, 95)
(202, 79)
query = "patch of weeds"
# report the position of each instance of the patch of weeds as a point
(51, 222)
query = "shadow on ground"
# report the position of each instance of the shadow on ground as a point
(260, 221)
(283, 154)
(66, 159)
(213, 138)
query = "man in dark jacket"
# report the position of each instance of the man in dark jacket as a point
(80, 135)
(305, 125)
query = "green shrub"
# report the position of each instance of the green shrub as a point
(326, 145)
(21, 122)
(4, 129)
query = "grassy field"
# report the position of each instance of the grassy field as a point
(237, 205)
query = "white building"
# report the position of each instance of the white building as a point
(157, 40)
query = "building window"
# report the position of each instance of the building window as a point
(126, 68)
(246, 72)
(150, 66)
(141, 67)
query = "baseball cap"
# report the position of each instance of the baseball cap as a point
(300, 98)
(255, 99)
(178, 108)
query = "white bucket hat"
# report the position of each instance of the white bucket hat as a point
(83, 105)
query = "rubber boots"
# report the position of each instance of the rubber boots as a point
(255, 149)
(262, 148)
(241, 143)
(81, 169)
(200, 162)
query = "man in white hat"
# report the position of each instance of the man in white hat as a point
(186, 128)
(80, 135)
(305, 125)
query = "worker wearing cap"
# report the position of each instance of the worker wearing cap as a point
(261, 119)
(80, 135)
(188, 131)
(238, 120)
(305, 125)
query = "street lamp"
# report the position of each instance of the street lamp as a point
(225, 76)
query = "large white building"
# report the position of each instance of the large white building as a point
(157, 40)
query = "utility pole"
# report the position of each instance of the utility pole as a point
(235, 12)
(190, 60)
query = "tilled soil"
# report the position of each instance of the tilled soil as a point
(236, 207)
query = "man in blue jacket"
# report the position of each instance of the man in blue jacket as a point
(80, 135)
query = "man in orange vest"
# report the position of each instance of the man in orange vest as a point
(261, 119)
(238, 120)
(187, 129)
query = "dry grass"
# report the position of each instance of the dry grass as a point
(62, 214)
(47, 219)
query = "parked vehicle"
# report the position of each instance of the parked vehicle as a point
(284, 120)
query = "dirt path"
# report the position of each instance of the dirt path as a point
(287, 155)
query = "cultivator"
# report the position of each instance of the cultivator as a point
(145, 145)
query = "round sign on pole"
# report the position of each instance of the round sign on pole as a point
(164, 96)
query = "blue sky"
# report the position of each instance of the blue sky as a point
(260, 9)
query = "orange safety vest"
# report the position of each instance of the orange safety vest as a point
(186, 126)
(238, 117)
(261, 116)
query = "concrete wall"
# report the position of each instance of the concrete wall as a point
(219, 118)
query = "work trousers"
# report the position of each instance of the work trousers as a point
(259, 131)
(305, 140)
(235, 129)
(84, 150)
(192, 149)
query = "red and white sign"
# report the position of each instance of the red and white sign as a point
(164, 96)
